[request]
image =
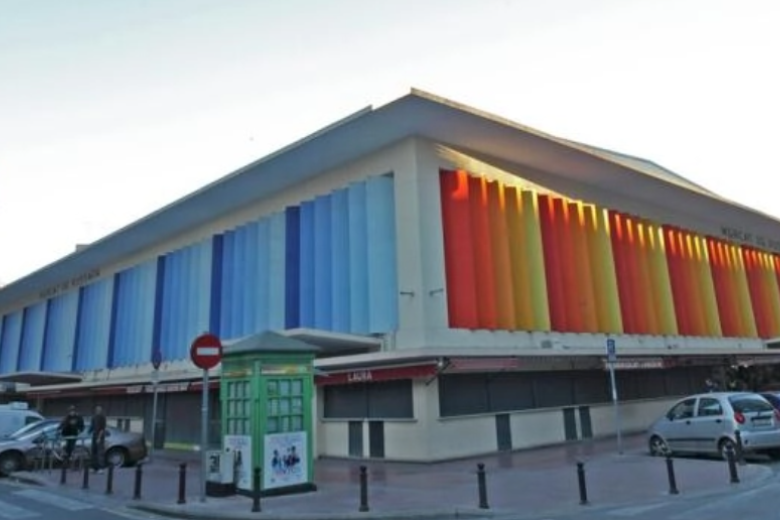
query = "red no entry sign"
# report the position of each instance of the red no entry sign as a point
(206, 351)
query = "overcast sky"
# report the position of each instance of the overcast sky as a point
(110, 109)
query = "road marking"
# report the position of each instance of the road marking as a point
(636, 510)
(718, 504)
(13, 512)
(54, 500)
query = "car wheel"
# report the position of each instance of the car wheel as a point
(116, 457)
(10, 463)
(723, 447)
(658, 447)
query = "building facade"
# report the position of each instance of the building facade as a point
(460, 273)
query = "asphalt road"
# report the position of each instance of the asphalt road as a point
(18, 503)
(754, 503)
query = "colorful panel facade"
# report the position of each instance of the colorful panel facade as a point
(516, 259)
(60, 337)
(132, 315)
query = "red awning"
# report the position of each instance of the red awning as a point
(373, 375)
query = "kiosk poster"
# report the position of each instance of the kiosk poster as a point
(240, 447)
(286, 460)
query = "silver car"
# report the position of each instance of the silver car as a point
(706, 423)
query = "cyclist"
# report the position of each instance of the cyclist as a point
(71, 427)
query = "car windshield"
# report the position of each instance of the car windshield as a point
(31, 430)
(749, 403)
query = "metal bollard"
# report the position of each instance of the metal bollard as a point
(740, 447)
(256, 490)
(582, 484)
(670, 473)
(182, 483)
(733, 475)
(110, 480)
(139, 473)
(363, 490)
(482, 486)
(63, 473)
(85, 480)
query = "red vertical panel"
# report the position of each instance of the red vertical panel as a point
(721, 289)
(480, 227)
(458, 250)
(622, 272)
(568, 270)
(676, 276)
(555, 290)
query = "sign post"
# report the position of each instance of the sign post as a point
(206, 353)
(156, 361)
(611, 360)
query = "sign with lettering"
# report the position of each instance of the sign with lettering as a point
(73, 283)
(745, 237)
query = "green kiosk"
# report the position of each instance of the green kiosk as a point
(266, 393)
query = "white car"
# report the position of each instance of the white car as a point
(706, 423)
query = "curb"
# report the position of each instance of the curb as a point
(176, 511)
(28, 479)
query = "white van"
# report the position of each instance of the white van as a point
(14, 416)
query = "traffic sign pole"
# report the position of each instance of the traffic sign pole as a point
(206, 353)
(611, 359)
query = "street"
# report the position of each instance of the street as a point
(17, 503)
(757, 502)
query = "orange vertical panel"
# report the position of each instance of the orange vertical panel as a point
(499, 240)
(552, 263)
(582, 264)
(623, 272)
(480, 226)
(651, 286)
(773, 293)
(748, 259)
(743, 287)
(458, 250)
(714, 327)
(692, 284)
(741, 320)
(722, 296)
(639, 289)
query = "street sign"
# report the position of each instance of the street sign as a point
(206, 351)
(156, 358)
(611, 350)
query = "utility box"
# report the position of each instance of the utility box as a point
(266, 390)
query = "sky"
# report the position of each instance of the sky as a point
(110, 109)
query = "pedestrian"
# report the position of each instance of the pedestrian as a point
(71, 427)
(98, 430)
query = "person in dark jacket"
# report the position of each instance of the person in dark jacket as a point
(98, 430)
(71, 427)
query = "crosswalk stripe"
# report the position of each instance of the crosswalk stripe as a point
(53, 500)
(13, 512)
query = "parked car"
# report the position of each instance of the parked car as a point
(773, 396)
(19, 449)
(706, 424)
(15, 415)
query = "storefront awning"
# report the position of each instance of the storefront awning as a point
(40, 378)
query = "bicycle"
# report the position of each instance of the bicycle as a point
(52, 450)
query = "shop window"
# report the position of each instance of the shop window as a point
(591, 388)
(463, 394)
(381, 400)
(510, 391)
(553, 389)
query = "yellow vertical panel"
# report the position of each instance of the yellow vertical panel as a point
(519, 259)
(662, 283)
(535, 252)
(712, 316)
(604, 264)
(648, 287)
(746, 305)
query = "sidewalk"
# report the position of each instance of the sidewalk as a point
(528, 483)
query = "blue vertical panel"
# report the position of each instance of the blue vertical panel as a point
(226, 296)
(187, 306)
(134, 328)
(339, 260)
(61, 332)
(215, 311)
(292, 280)
(276, 271)
(32, 337)
(159, 289)
(323, 292)
(10, 342)
(382, 273)
(240, 313)
(249, 279)
(203, 287)
(94, 325)
(114, 322)
(2, 328)
(358, 259)
(236, 315)
(258, 277)
(306, 266)
(166, 305)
